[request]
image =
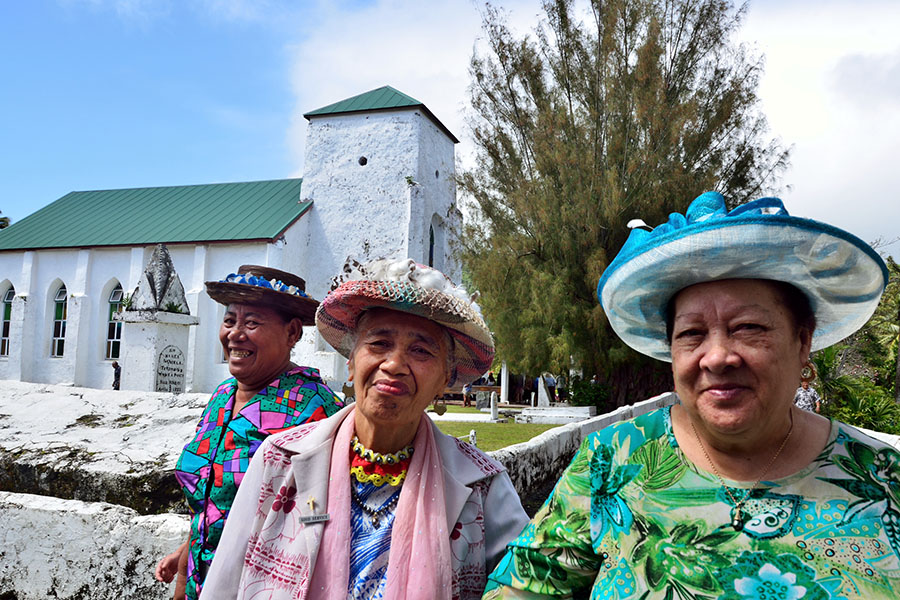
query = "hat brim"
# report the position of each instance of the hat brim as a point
(338, 316)
(842, 276)
(241, 293)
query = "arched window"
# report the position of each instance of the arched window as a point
(60, 310)
(431, 245)
(7, 314)
(114, 328)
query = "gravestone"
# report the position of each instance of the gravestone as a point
(170, 370)
(156, 329)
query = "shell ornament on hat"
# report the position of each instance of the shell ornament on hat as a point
(842, 276)
(405, 286)
(255, 284)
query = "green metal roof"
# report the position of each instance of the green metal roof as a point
(217, 212)
(381, 99)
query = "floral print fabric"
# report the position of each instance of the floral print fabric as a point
(213, 463)
(632, 518)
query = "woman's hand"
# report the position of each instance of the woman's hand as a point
(167, 568)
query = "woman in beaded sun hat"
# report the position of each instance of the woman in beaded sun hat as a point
(733, 492)
(265, 311)
(376, 502)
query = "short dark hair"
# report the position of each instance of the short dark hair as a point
(795, 300)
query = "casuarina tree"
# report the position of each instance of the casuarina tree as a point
(606, 112)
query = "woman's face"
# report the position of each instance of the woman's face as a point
(257, 343)
(398, 366)
(736, 354)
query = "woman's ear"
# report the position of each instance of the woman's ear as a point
(350, 369)
(294, 331)
(805, 344)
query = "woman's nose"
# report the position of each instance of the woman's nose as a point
(719, 354)
(395, 362)
(236, 333)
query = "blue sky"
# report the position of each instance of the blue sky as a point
(99, 94)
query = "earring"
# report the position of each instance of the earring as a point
(808, 373)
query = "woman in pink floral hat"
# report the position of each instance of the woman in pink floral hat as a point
(376, 502)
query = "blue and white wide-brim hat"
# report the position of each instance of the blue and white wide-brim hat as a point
(842, 276)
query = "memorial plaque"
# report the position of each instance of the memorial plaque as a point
(170, 370)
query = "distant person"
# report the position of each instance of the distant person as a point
(117, 375)
(550, 380)
(561, 391)
(491, 380)
(265, 311)
(467, 394)
(806, 397)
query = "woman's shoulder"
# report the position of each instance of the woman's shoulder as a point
(845, 435)
(637, 430)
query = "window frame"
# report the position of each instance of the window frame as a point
(6, 320)
(114, 306)
(60, 317)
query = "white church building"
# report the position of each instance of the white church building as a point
(378, 181)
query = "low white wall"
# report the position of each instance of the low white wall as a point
(72, 550)
(542, 459)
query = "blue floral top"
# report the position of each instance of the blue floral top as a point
(632, 518)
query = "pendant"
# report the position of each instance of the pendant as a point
(737, 518)
(375, 522)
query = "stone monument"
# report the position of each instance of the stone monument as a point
(157, 324)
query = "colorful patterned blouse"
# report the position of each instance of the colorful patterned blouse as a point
(212, 464)
(632, 518)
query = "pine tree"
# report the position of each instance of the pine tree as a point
(586, 124)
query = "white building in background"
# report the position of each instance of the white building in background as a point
(379, 181)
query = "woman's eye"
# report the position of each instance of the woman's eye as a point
(748, 327)
(688, 333)
(422, 352)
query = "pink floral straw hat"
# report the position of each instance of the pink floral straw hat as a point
(408, 287)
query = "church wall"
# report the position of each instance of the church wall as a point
(436, 199)
(358, 210)
(89, 275)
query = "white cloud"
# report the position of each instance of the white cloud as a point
(420, 48)
(831, 89)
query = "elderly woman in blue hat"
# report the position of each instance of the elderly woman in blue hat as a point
(265, 311)
(734, 492)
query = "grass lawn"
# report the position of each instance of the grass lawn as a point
(493, 436)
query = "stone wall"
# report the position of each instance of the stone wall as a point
(67, 549)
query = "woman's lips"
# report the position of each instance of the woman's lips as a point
(393, 388)
(725, 392)
(235, 353)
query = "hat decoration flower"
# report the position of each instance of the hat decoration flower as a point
(272, 284)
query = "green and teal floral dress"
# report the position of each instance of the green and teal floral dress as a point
(632, 518)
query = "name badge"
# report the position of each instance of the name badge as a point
(315, 518)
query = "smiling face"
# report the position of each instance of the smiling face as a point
(398, 366)
(257, 342)
(736, 355)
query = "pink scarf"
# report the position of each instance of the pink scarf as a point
(419, 561)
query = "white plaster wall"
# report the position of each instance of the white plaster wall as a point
(358, 210)
(88, 275)
(67, 549)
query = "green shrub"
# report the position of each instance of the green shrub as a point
(864, 404)
(585, 393)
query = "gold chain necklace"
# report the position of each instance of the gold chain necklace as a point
(737, 514)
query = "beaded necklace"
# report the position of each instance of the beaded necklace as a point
(376, 468)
